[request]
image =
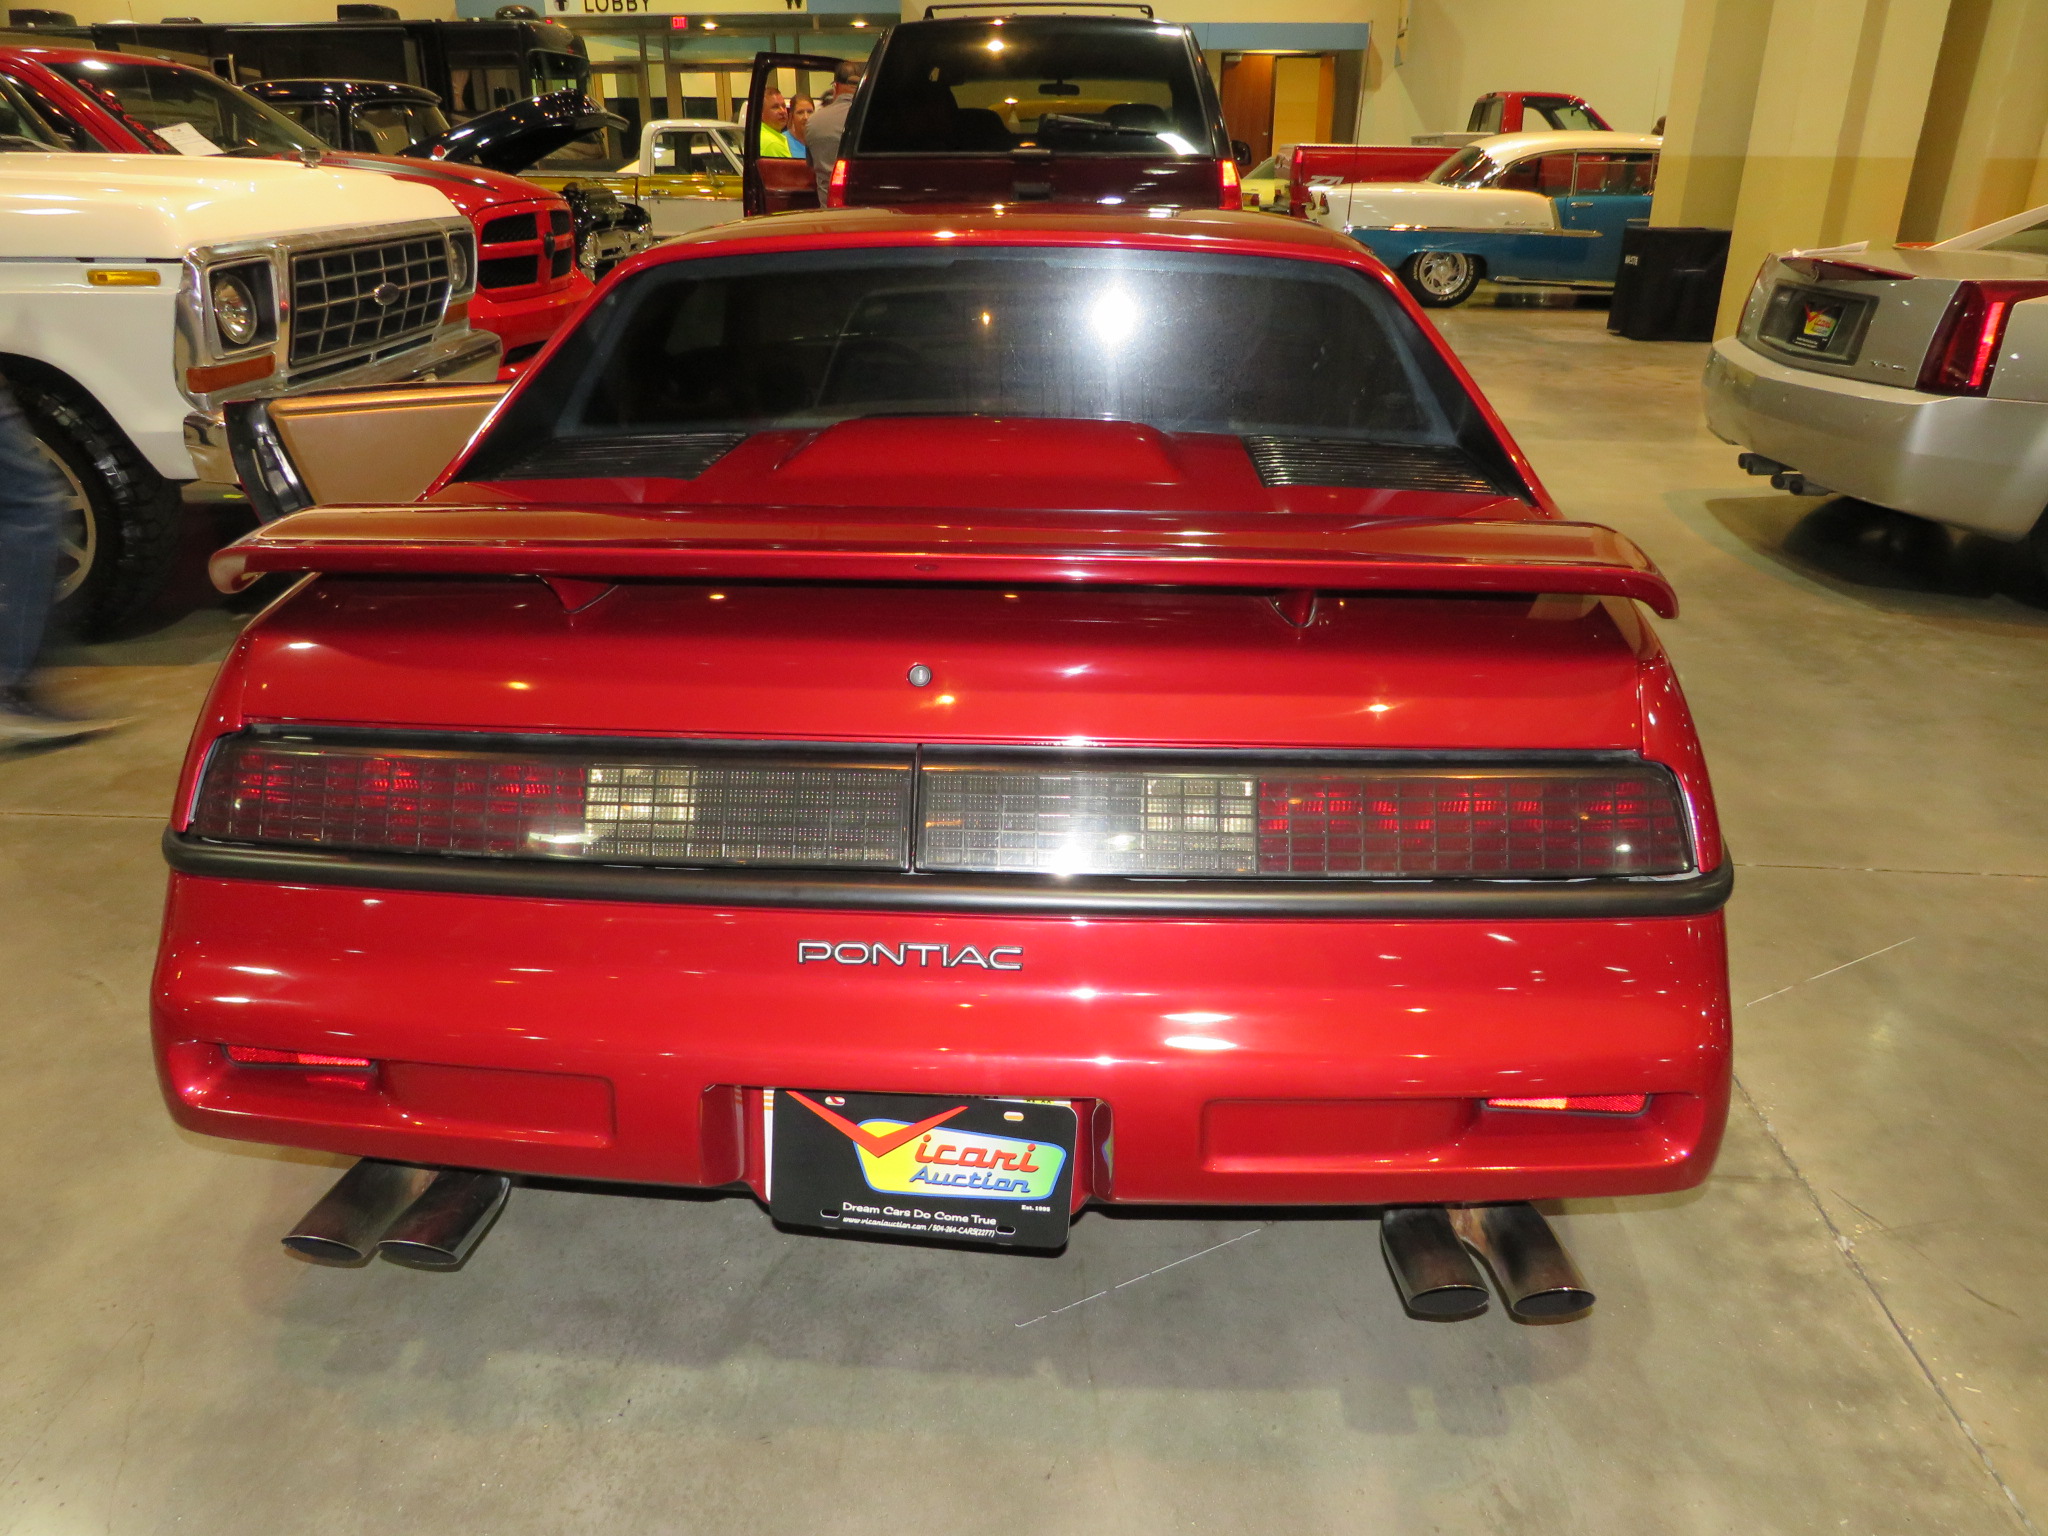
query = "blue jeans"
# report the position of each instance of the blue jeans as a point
(32, 503)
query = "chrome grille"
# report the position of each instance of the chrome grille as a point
(361, 298)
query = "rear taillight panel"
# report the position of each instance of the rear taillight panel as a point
(1966, 343)
(1440, 823)
(609, 807)
(949, 812)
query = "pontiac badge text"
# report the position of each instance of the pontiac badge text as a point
(923, 956)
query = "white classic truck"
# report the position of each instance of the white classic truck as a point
(142, 295)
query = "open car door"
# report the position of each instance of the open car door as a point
(773, 184)
(385, 443)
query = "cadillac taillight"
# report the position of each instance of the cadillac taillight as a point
(1297, 184)
(835, 188)
(1967, 341)
(951, 811)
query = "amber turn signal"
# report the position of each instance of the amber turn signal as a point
(124, 277)
(203, 381)
(1580, 1103)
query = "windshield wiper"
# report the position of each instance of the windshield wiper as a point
(1090, 125)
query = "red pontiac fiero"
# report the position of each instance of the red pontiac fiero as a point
(941, 720)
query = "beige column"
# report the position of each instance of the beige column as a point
(1795, 123)
(1713, 99)
(1839, 106)
(1980, 153)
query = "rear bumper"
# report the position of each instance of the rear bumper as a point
(1225, 1062)
(1980, 464)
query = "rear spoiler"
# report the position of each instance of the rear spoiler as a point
(1294, 553)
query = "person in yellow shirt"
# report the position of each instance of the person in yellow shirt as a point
(775, 142)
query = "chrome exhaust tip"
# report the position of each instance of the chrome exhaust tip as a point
(343, 1228)
(447, 1221)
(1536, 1276)
(1434, 1274)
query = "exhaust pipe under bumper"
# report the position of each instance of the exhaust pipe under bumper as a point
(438, 1230)
(1432, 1270)
(1537, 1278)
(343, 1228)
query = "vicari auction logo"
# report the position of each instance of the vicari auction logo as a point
(926, 1158)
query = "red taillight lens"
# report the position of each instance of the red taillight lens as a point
(1229, 191)
(1966, 343)
(263, 1056)
(835, 190)
(955, 812)
(1363, 824)
(1581, 1103)
(1297, 185)
(605, 806)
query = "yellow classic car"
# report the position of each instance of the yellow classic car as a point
(686, 175)
(1265, 184)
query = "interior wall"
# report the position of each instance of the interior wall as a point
(1616, 53)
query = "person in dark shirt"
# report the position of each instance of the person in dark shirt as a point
(828, 123)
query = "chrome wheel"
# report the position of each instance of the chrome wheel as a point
(78, 539)
(1443, 274)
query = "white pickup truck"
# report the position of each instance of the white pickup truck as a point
(141, 295)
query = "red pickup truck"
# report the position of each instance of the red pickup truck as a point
(939, 720)
(528, 282)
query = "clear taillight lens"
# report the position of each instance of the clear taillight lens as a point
(1967, 342)
(1359, 824)
(604, 808)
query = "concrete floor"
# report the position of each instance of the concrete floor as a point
(1835, 1335)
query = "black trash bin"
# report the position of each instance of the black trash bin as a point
(1669, 285)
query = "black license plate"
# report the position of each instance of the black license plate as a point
(1818, 323)
(953, 1170)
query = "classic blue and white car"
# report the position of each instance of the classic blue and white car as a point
(1544, 208)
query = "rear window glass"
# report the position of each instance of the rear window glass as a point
(1184, 343)
(988, 87)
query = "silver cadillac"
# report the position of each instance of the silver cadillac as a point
(1912, 377)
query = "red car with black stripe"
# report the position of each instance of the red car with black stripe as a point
(938, 721)
(528, 281)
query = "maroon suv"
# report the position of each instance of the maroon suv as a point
(1103, 111)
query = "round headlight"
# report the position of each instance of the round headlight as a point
(458, 266)
(234, 310)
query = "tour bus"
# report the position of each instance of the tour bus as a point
(473, 66)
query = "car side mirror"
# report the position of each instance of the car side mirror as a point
(1241, 152)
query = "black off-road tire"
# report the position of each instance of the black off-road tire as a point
(131, 514)
(1441, 279)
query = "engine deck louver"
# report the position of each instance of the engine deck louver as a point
(671, 455)
(1376, 466)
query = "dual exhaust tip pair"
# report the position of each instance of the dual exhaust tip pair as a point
(424, 1218)
(1434, 1253)
(429, 1218)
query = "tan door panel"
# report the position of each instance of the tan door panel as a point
(378, 445)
